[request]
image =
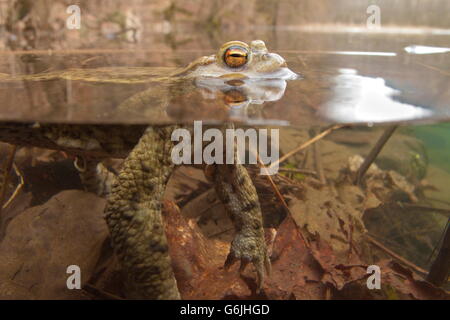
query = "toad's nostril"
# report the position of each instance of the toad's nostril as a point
(277, 59)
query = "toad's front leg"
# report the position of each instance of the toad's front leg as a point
(133, 215)
(235, 189)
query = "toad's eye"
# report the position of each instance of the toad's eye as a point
(235, 56)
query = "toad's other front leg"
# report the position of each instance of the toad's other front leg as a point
(95, 176)
(133, 215)
(237, 192)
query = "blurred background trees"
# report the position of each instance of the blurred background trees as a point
(194, 23)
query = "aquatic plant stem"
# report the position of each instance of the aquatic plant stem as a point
(279, 195)
(305, 145)
(18, 188)
(395, 256)
(301, 171)
(440, 268)
(374, 153)
(6, 171)
(318, 162)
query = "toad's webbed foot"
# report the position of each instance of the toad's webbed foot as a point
(250, 248)
(237, 192)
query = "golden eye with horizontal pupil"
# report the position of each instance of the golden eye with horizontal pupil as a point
(235, 56)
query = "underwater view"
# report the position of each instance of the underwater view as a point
(224, 150)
